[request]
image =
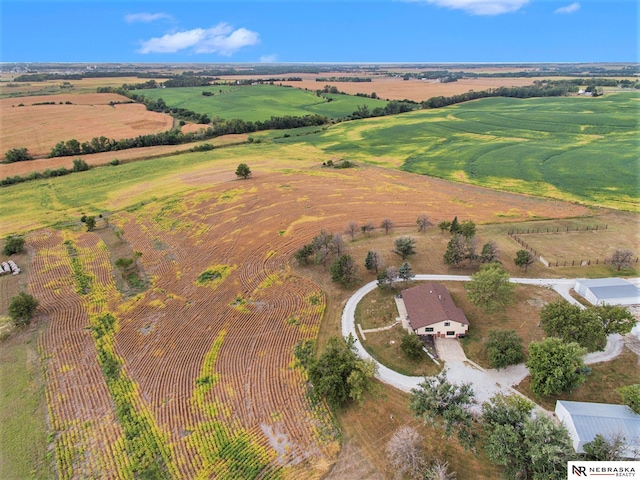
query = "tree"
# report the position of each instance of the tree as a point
(490, 288)
(444, 404)
(17, 155)
(411, 346)
(504, 347)
(631, 396)
(373, 261)
(351, 229)
(467, 229)
(439, 471)
(405, 246)
(454, 227)
(489, 252)
(423, 223)
(455, 252)
(91, 223)
(13, 244)
(243, 171)
(621, 258)
(602, 449)
(614, 319)
(405, 272)
(573, 324)
(403, 453)
(303, 254)
(21, 308)
(444, 226)
(330, 373)
(344, 270)
(526, 447)
(367, 228)
(524, 258)
(79, 165)
(123, 263)
(386, 225)
(387, 277)
(555, 366)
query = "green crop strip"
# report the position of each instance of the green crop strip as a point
(82, 280)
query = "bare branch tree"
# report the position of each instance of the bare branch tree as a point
(351, 229)
(621, 258)
(423, 222)
(386, 225)
(404, 453)
(439, 471)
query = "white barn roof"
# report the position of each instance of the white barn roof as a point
(585, 420)
(614, 291)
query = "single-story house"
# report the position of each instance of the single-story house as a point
(431, 311)
(585, 420)
(612, 291)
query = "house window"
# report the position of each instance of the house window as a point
(447, 324)
(451, 333)
(429, 329)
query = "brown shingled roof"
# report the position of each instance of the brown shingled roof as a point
(431, 303)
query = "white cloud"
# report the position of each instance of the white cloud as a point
(269, 58)
(146, 17)
(574, 7)
(480, 7)
(222, 39)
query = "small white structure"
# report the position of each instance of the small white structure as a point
(612, 291)
(585, 420)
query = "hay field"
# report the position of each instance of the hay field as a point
(40, 127)
(54, 87)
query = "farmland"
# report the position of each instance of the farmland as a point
(534, 146)
(40, 127)
(259, 102)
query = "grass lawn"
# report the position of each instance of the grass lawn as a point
(601, 385)
(24, 446)
(259, 102)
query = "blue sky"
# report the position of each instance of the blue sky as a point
(319, 31)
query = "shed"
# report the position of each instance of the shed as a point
(612, 291)
(585, 420)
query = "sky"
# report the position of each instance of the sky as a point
(421, 31)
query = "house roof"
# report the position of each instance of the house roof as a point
(431, 303)
(590, 419)
(604, 288)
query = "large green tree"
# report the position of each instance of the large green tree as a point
(490, 288)
(411, 346)
(631, 396)
(455, 252)
(524, 258)
(555, 366)
(504, 348)
(17, 155)
(614, 319)
(22, 307)
(527, 447)
(338, 374)
(243, 171)
(573, 324)
(13, 244)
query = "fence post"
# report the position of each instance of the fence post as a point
(572, 263)
(597, 261)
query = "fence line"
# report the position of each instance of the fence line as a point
(540, 230)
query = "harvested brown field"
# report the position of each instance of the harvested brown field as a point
(395, 88)
(53, 87)
(205, 366)
(40, 127)
(132, 154)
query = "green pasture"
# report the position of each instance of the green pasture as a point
(574, 148)
(259, 102)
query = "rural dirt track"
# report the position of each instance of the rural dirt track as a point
(257, 313)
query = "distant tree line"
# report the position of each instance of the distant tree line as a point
(43, 77)
(344, 79)
(556, 71)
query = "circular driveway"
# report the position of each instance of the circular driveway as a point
(485, 382)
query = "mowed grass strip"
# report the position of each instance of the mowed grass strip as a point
(572, 148)
(259, 102)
